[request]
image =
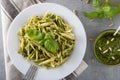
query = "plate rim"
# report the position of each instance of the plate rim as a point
(10, 27)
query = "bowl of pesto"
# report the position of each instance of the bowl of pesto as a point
(107, 47)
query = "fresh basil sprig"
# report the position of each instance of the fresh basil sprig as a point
(103, 9)
(44, 40)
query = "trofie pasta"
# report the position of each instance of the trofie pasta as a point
(46, 40)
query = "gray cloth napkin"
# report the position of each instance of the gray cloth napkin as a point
(9, 10)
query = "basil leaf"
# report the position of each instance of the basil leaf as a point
(106, 7)
(91, 14)
(117, 9)
(96, 3)
(100, 13)
(109, 10)
(51, 45)
(35, 34)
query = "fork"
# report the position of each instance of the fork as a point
(30, 75)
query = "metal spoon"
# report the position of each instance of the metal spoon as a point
(116, 31)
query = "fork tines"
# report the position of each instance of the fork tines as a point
(30, 73)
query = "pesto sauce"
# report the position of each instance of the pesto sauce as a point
(107, 47)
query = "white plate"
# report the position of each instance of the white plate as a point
(80, 44)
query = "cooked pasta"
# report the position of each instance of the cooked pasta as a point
(60, 32)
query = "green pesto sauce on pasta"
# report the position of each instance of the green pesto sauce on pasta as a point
(60, 31)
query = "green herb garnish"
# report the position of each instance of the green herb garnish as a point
(35, 34)
(47, 41)
(51, 45)
(103, 9)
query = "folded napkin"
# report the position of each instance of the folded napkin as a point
(9, 10)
